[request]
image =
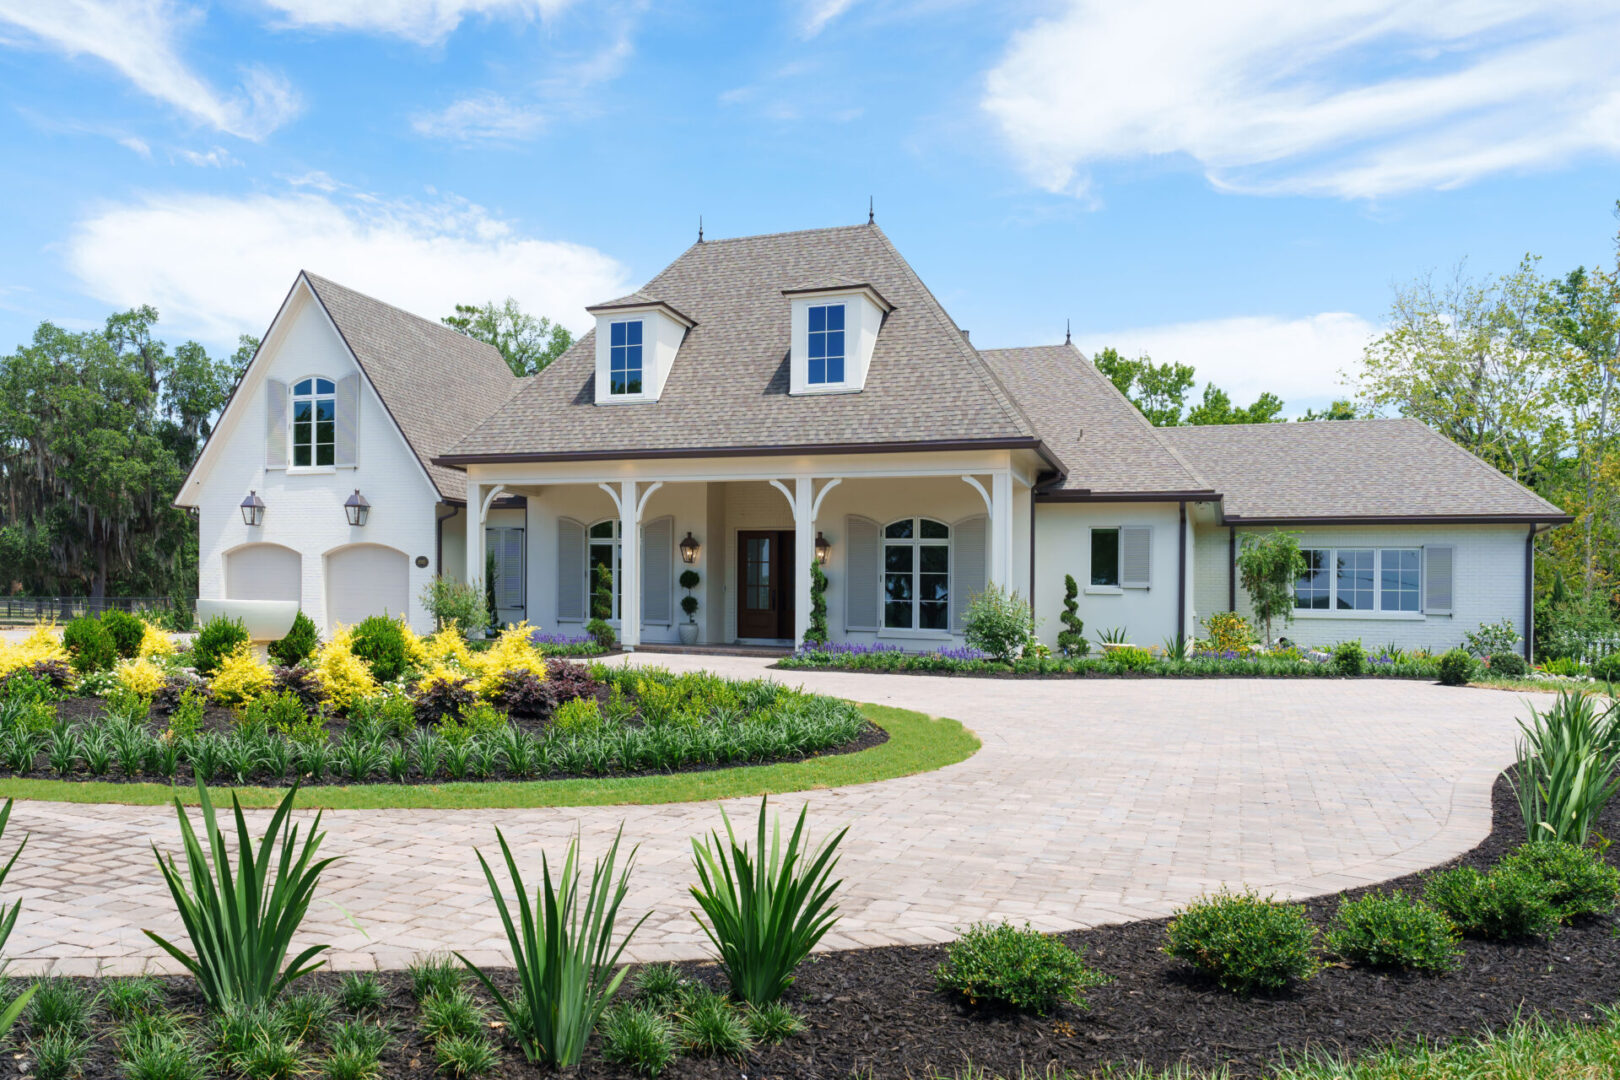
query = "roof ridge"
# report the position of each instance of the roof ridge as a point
(1095, 372)
(997, 388)
(784, 232)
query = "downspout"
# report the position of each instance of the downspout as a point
(1530, 595)
(1032, 549)
(1231, 568)
(438, 540)
(1181, 577)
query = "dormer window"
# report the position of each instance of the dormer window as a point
(624, 358)
(314, 423)
(826, 343)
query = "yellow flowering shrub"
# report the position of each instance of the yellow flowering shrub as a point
(343, 676)
(448, 646)
(140, 677)
(154, 642)
(44, 643)
(416, 653)
(241, 677)
(1229, 632)
(512, 651)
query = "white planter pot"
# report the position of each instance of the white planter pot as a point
(688, 632)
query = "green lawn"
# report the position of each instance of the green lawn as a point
(917, 743)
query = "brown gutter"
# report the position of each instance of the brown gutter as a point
(1231, 568)
(1405, 519)
(1128, 496)
(1181, 579)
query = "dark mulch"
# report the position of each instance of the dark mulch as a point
(874, 1012)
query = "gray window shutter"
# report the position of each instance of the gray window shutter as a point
(969, 568)
(1437, 574)
(861, 573)
(275, 424)
(570, 570)
(657, 573)
(1136, 557)
(346, 437)
(507, 547)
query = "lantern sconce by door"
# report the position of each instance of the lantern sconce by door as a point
(689, 548)
(356, 508)
(823, 548)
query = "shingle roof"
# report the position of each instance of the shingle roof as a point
(1108, 445)
(728, 387)
(437, 384)
(1350, 469)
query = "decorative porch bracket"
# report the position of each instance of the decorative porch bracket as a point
(806, 504)
(630, 505)
(998, 504)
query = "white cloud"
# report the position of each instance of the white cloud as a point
(1353, 98)
(421, 21)
(1299, 360)
(818, 13)
(140, 38)
(135, 143)
(218, 266)
(217, 158)
(482, 118)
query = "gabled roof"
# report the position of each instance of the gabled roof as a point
(728, 389)
(1108, 445)
(436, 383)
(1351, 469)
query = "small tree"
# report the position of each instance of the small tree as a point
(817, 634)
(689, 603)
(1071, 639)
(1268, 564)
(452, 601)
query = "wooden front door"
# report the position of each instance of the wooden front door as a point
(765, 584)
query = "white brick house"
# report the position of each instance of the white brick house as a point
(770, 400)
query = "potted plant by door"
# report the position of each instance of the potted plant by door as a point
(689, 604)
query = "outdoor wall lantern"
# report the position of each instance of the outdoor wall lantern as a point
(823, 548)
(253, 509)
(689, 548)
(357, 508)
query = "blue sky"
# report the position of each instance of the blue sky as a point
(1236, 188)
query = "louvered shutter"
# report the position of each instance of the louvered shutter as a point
(570, 570)
(1438, 567)
(275, 424)
(346, 430)
(1136, 557)
(968, 568)
(506, 545)
(657, 572)
(861, 572)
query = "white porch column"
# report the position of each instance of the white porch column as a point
(999, 562)
(473, 522)
(630, 555)
(804, 553)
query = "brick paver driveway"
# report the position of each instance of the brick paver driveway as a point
(1091, 802)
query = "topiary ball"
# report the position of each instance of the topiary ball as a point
(1456, 668)
(1508, 665)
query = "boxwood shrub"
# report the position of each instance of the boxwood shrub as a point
(1607, 668)
(89, 644)
(380, 641)
(1508, 665)
(1016, 968)
(1575, 880)
(1506, 904)
(1456, 668)
(1244, 941)
(1393, 930)
(1349, 658)
(126, 631)
(299, 644)
(218, 638)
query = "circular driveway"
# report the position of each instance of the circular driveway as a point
(1092, 801)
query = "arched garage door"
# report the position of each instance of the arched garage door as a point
(263, 572)
(366, 579)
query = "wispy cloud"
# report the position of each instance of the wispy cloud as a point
(481, 118)
(1351, 98)
(217, 266)
(140, 39)
(217, 158)
(425, 22)
(1298, 359)
(818, 13)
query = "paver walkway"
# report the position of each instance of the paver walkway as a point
(1091, 801)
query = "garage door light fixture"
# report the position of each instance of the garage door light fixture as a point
(253, 509)
(357, 508)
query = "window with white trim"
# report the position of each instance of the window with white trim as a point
(917, 575)
(624, 357)
(314, 423)
(826, 345)
(603, 556)
(1360, 579)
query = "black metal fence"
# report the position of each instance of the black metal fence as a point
(27, 610)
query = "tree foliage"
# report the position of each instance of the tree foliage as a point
(1268, 564)
(528, 342)
(1160, 392)
(97, 430)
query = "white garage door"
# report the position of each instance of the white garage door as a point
(366, 579)
(263, 572)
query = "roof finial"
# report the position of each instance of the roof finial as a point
(871, 214)
(700, 228)
(1067, 339)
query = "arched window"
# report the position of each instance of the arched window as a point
(917, 575)
(603, 558)
(314, 423)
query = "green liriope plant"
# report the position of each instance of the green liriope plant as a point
(767, 908)
(241, 924)
(638, 1037)
(465, 1055)
(562, 949)
(710, 1026)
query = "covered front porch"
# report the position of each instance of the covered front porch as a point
(904, 540)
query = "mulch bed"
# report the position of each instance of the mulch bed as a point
(874, 1012)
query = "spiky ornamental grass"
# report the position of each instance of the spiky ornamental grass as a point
(767, 908)
(1566, 768)
(8, 919)
(562, 950)
(241, 924)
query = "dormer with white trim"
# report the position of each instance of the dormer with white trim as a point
(834, 332)
(636, 342)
